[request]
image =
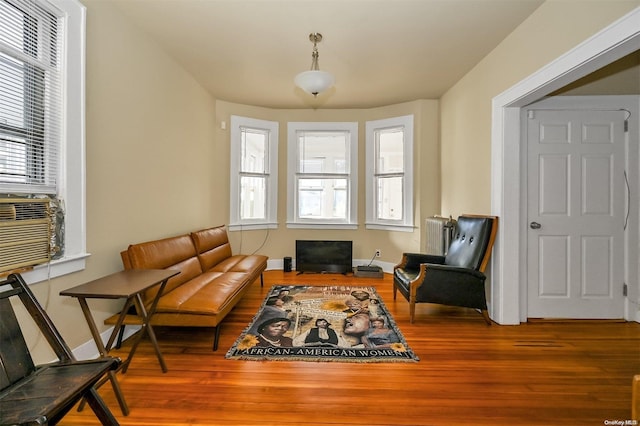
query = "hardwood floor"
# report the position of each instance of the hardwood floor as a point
(542, 373)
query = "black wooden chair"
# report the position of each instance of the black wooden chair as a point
(42, 395)
(456, 279)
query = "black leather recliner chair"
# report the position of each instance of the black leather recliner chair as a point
(456, 279)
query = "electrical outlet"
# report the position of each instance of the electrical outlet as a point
(378, 252)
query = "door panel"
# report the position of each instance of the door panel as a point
(554, 185)
(554, 266)
(597, 268)
(576, 193)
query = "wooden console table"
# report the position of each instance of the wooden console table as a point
(130, 285)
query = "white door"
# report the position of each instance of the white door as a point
(576, 213)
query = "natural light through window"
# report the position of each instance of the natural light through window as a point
(323, 182)
(390, 173)
(322, 174)
(254, 173)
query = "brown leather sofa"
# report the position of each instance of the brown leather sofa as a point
(211, 281)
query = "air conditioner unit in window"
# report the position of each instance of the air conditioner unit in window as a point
(25, 233)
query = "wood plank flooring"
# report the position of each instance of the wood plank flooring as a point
(540, 373)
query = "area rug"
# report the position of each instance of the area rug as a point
(322, 323)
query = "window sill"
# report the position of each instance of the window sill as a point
(322, 225)
(251, 226)
(56, 268)
(398, 228)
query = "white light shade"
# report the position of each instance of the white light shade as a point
(314, 81)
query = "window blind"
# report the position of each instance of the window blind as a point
(30, 97)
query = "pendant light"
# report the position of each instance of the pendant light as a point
(314, 81)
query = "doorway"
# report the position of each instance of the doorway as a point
(509, 305)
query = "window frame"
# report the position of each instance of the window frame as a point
(271, 174)
(293, 220)
(406, 223)
(71, 188)
(31, 135)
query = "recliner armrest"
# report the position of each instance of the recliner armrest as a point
(450, 285)
(412, 261)
(446, 275)
(448, 269)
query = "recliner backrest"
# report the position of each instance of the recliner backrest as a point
(470, 241)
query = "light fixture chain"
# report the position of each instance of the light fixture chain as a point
(314, 59)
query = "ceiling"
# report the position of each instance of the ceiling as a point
(381, 52)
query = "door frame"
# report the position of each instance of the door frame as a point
(508, 278)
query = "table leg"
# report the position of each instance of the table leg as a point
(150, 332)
(118, 325)
(118, 391)
(103, 352)
(145, 328)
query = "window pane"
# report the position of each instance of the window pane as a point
(30, 98)
(340, 202)
(13, 22)
(310, 203)
(390, 148)
(12, 92)
(390, 198)
(254, 150)
(322, 152)
(322, 198)
(13, 160)
(252, 198)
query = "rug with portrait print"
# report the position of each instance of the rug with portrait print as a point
(322, 323)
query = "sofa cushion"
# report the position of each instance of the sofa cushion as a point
(160, 254)
(242, 263)
(176, 253)
(209, 293)
(212, 246)
(214, 252)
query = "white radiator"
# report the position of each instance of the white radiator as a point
(25, 230)
(438, 234)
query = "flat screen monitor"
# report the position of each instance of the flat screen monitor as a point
(324, 256)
